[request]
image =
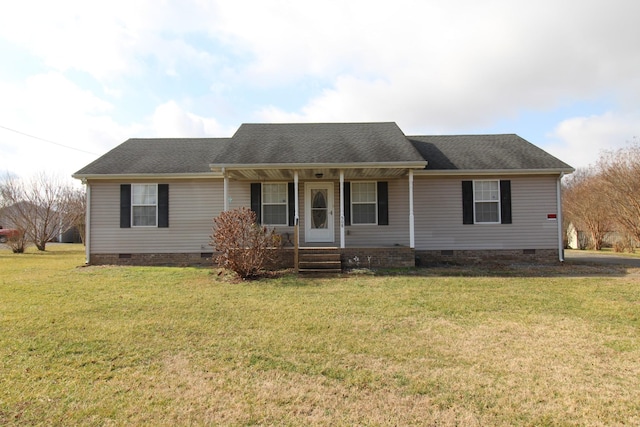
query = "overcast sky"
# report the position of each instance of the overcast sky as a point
(563, 74)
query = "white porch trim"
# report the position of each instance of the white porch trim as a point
(342, 233)
(296, 206)
(412, 237)
(225, 191)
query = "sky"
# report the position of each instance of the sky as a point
(79, 77)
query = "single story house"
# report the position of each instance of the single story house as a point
(377, 197)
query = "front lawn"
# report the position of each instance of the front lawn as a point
(180, 346)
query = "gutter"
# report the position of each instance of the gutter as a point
(156, 176)
(476, 172)
(382, 165)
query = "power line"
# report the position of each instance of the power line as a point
(49, 141)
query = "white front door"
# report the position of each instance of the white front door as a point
(318, 212)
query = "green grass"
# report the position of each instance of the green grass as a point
(179, 346)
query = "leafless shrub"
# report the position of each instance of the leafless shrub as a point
(242, 245)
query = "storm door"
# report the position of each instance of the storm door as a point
(319, 212)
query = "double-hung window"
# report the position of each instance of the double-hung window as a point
(364, 199)
(486, 199)
(274, 204)
(144, 205)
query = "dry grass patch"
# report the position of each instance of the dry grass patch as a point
(167, 346)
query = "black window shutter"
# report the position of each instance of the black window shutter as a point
(505, 201)
(125, 205)
(467, 202)
(163, 205)
(256, 200)
(292, 203)
(383, 203)
(347, 203)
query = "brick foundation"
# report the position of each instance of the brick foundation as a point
(391, 257)
(542, 256)
(397, 256)
(171, 259)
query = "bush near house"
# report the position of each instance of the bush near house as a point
(15, 239)
(8, 233)
(243, 246)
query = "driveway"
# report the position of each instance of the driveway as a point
(587, 257)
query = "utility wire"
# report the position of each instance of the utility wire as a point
(49, 141)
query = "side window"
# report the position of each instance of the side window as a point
(486, 199)
(486, 202)
(364, 201)
(144, 205)
(274, 204)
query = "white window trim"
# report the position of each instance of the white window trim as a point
(486, 201)
(133, 205)
(375, 203)
(286, 204)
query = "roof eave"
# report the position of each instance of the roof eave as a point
(381, 165)
(200, 175)
(554, 171)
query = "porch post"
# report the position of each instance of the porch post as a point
(296, 221)
(342, 243)
(412, 237)
(225, 190)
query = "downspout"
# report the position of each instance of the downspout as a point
(87, 225)
(559, 215)
(296, 223)
(342, 231)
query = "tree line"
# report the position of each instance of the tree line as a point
(604, 200)
(40, 208)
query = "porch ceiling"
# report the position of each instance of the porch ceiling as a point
(314, 174)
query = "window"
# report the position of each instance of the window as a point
(363, 203)
(274, 204)
(486, 200)
(144, 205)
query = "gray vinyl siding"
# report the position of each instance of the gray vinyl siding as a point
(438, 216)
(192, 207)
(394, 234)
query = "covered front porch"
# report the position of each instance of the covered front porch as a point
(364, 213)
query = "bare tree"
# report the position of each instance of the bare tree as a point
(620, 172)
(38, 206)
(586, 205)
(76, 205)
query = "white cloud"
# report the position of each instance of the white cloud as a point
(51, 107)
(170, 120)
(581, 140)
(442, 67)
(431, 66)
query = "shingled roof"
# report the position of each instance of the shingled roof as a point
(157, 156)
(318, 143)
(278, 145)
(484, 152)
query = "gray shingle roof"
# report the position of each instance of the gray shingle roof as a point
(322, 143)
(318, 143)
(484, 152)
(158, 156)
